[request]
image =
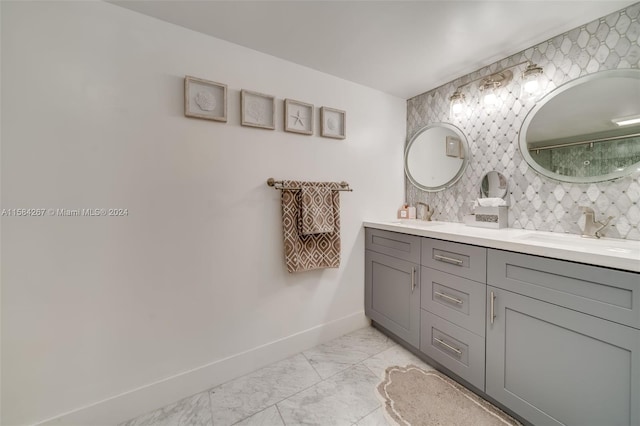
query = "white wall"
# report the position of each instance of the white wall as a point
(100, 307)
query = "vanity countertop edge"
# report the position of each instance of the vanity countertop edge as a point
(606, 252)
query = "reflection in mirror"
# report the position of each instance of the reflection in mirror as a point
(436, 157)
(587, 130)
(493, 185)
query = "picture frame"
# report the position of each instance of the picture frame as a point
(205, 99)
(298, 117)
(258, 110)
(333, 123)
(452, 146)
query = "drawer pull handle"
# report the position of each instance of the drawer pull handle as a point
(448, 259)
(413, 279)
(450, 298)
(448, 346)
(492, 308)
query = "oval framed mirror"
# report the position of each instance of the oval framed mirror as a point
(436, 157)
(493, 185)
(586, 130)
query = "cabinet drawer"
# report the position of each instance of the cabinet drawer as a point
(458, 259)
(458, 300)
(460, 350)
(605, 293)
(402, 246)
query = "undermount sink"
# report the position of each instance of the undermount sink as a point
(577, 241)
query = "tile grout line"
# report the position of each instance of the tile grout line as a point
(289, 396)
(210, 406)
(321, 379)
(266, 366)
(315, 384)
(370, 370)
(324, 380)
(387, 339)
(280, 414)
(309, 362)
(369, 413)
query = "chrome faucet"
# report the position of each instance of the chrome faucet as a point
(591, 227)
(427, 211)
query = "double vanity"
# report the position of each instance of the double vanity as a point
(545, 324)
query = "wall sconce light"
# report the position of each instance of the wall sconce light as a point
(531, 88)
(489, 88)
(457, 104)
(490, 99)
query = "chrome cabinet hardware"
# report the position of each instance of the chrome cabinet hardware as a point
(447, 259)
(448, 346)
(413, 279)
(492, 313)
(447, 297)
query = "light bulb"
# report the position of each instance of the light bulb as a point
(490, 100)
(456, 108)
(531, 87)
(457, 105)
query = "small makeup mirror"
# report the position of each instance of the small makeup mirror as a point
(493, 185)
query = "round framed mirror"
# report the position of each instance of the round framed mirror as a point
(493, 185)
(587, 130)
(436, 157)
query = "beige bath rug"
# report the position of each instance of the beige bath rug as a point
(415, 397)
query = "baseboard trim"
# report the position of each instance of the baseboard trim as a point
(130, 404)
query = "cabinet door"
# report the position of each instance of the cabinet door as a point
(556, 366)
(392, 295)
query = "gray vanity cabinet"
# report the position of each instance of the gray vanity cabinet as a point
(551, 356)
(392, 282)
(555, 342)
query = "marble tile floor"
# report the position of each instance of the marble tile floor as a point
(330, 384)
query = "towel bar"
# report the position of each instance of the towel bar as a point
(278, 184)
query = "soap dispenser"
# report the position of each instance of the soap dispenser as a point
(412, 212)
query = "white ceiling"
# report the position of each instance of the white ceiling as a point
(400, 47)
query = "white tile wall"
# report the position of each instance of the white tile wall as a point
(537, 202)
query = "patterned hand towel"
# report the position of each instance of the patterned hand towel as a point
(316, 208)
(313, 251)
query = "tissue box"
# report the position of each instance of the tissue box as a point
(488, 217)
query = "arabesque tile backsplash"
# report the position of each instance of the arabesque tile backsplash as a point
(536, 202)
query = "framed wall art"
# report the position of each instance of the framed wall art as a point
(333, 123)
(205, 99)
(298, 117)
(258, 110)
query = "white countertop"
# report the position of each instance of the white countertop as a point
(609, 252)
